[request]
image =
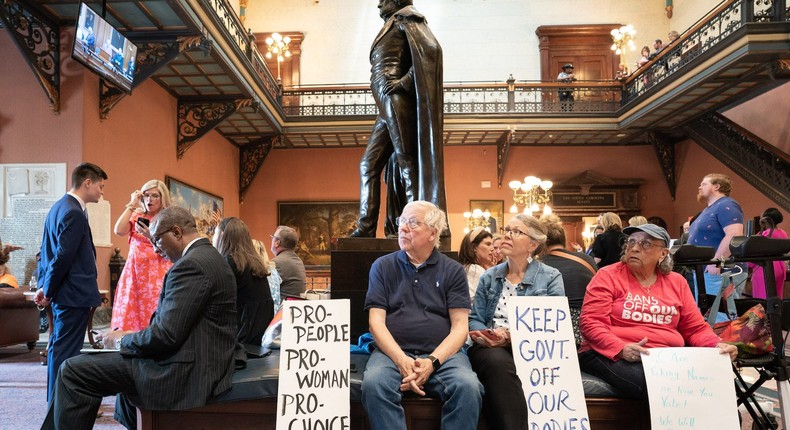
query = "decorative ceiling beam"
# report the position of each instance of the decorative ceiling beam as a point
(196, 117)
(665, 151)
(151, 56)
(38, 38)
(251, 158)
(502, 150)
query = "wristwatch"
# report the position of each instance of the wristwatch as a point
(435, 361)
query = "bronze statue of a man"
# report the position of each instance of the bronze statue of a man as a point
(406, 80)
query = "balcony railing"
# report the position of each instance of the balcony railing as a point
(707, 33)
(510, 96)
(462, 98)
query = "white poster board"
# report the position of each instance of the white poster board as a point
(315, 363)
(27, 193)
(690, 388)
(544, 351)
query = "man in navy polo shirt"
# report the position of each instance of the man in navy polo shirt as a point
(418, 303)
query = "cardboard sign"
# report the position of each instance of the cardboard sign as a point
(690, 388)
(315, 361)
(544, 351)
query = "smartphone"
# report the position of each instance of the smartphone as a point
(488, 333)
(143, 221)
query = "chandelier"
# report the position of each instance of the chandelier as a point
(531, 194)
(477, 218)
(278, 45)
(623, 37)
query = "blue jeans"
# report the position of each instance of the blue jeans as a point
(713, 286)
(454, 383)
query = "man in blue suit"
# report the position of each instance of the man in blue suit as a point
(67, 270)
(181, 360)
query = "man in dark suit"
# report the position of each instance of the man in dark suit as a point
(67, 270)
(180, 361)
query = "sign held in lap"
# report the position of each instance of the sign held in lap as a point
(546, 362)
(690, 388)
(313, 389)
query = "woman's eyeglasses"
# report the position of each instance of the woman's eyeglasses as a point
(514, 232)
(644, 244)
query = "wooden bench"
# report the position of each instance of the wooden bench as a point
(252, 404)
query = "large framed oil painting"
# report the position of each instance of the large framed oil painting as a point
(319, 224)
(207, 208)
(496, 222)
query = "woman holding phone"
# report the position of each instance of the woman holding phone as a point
(491, 354)
(140, 283)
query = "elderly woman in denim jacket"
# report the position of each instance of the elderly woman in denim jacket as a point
(491, 355)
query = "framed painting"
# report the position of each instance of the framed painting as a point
(319, 224)
(496, 221)
(207, 208)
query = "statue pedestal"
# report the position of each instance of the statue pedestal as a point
(350, 266)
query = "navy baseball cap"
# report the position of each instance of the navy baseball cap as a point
(652, 230)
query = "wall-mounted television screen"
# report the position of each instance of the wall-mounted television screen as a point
(100, 47)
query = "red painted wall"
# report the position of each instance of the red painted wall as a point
(136, 143)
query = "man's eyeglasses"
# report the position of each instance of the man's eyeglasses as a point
(411, 222)
(155, 239)
(514, 232)
(644, 244)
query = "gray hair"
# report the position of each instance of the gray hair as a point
(535, 230)
(435, 218)
(288, 236)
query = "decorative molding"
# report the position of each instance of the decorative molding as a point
(502, 150)
(151, 56)
(665, 152)
(761, 165)
(198, 117)
(38, 38)
(251, 158)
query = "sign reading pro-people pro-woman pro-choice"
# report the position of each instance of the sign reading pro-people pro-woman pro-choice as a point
(313, 391)
(544, 351)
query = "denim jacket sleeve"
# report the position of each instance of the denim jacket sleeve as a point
(477, 318)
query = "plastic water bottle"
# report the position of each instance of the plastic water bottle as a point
(33, 283)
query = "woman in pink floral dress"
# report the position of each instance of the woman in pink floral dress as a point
(140, 283)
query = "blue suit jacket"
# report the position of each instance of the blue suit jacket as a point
(67, 270)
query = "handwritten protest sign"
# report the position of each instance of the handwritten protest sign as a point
(313, 391)
(690, 388)
(546, 362)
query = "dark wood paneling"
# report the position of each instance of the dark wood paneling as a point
(587, 47)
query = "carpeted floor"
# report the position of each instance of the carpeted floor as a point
(23, 388)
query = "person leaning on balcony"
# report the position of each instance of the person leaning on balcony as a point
(566, 94)
(617, 329)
